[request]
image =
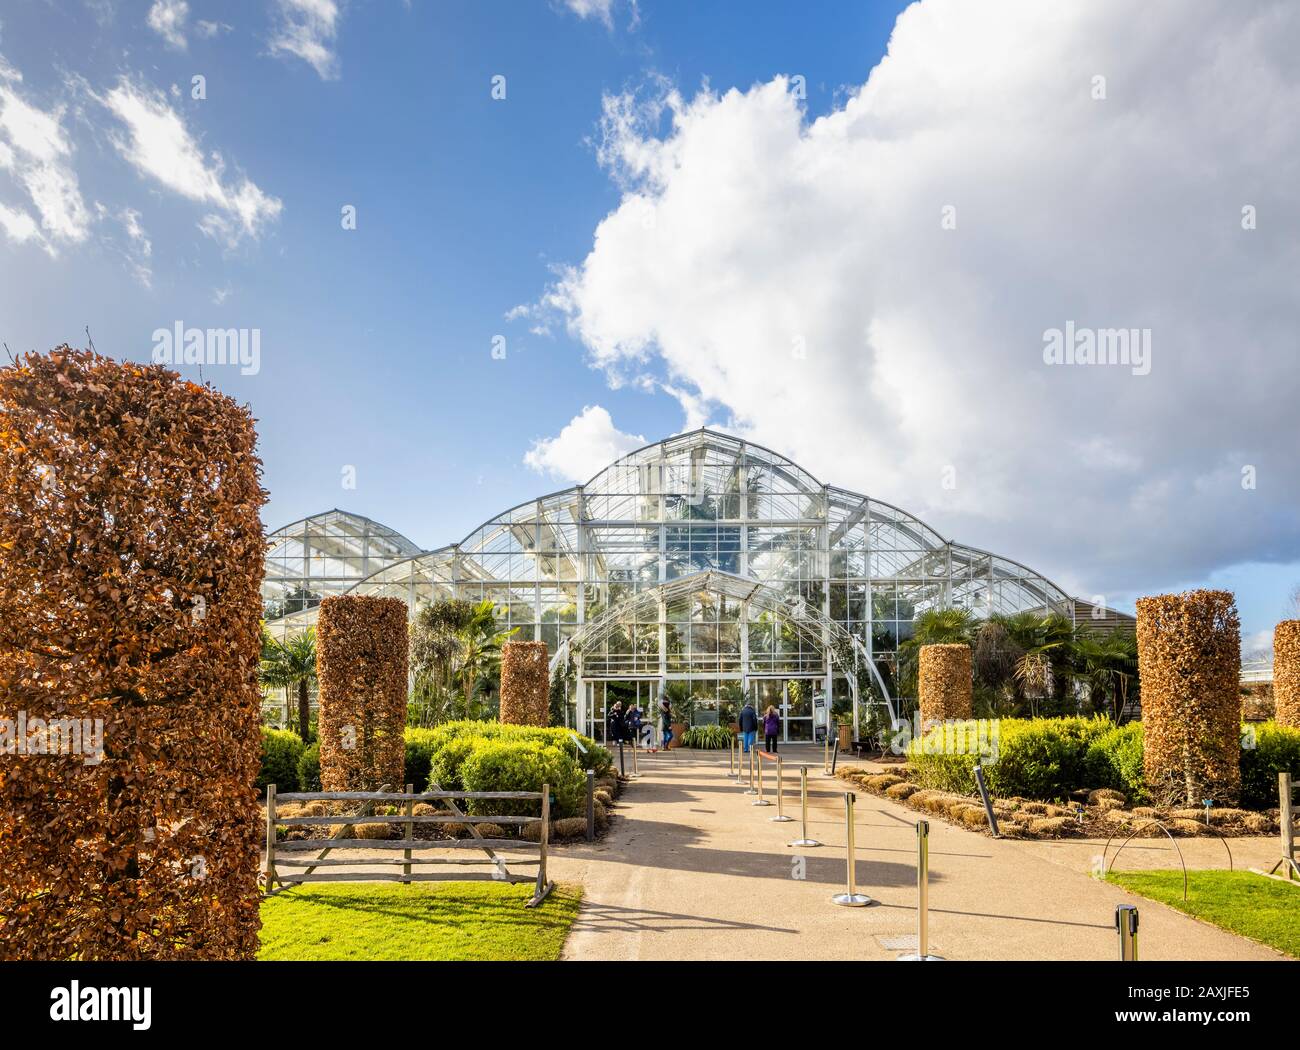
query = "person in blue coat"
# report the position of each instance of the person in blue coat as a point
(748, 726)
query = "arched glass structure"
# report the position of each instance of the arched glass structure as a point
(600, 563)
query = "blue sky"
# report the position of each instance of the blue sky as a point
(480, 217)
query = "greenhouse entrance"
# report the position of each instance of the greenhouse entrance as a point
(707, 700)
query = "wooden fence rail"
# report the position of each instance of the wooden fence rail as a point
(281, 855)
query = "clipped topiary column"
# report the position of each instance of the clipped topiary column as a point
(1189, 663)
(361, 665)
(524, 683)
(944, 683)
(1286, 672)
(130, 570)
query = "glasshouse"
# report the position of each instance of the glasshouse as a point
(702, 566)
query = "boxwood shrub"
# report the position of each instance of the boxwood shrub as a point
(521, 765)
(309, 768)
(441, 753)
(1276, 750)
(1041, 758)
(281, 750)
(1114, 760)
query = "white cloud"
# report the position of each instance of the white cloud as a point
(37, 153)
(160, 146)
(167, 18)
(601, 10)
(307, 29)
(795, 274)
(18, 225)
(589, 442)
(206, 29)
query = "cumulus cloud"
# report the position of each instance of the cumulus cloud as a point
(307, 30)
(160, 146)
(869, 291)
(167, 18)
(36, 152)
(589, 442)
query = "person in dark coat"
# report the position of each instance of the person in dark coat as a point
(614, 725)
(665, 720)
(748, 726)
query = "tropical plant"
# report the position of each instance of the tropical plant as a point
(707, 738)
(454, 644)
(291, 665)
(1106, 662)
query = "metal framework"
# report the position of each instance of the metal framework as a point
(646, 564)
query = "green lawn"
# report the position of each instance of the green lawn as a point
(443, 921)
(1240, 901)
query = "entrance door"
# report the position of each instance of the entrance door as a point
(797, 715)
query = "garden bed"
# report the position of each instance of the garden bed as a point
(1099, 813)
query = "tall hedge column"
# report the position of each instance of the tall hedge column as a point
(524, 683)
(130, 570)
(944, 684)
(361, 665)
(1286, 672)
(1189, 662)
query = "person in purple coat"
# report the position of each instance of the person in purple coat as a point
(771, 728)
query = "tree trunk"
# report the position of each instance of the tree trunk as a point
(288, 707)
(304, 712)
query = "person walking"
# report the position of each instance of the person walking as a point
(665, 719)
(632, 722)
(771, 728)
(614, 727)
(748, 727)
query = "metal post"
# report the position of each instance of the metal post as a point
(591, 805)
(851, 899)
(988, 802)
(922, 897)
(621, 771)
(803, 839)
(760, 801)
(1126, 924)
(635, 772)
(731, 756)
(780, 793)
(751, 790)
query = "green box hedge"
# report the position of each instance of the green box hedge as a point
(281, 750)
(1276, 750)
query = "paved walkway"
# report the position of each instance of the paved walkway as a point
(691, 870)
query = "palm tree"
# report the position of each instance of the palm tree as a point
(292, 664)
(1107, 662)
(455, 643)
(932, 627)
(479, 647)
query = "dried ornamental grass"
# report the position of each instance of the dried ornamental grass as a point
(944, 682)
(1189, 660)
(361, 664)
(525, 684)
(1286, 673)
(130, 570)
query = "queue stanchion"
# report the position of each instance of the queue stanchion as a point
(852, 898)
(780, 793)
(1126, 924)
(731, 756)
(922, 897)
(803, 840)
(635, 749)
(760, 801)
(751, 790)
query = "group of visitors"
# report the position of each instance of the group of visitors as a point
(749, 723)
(630, 726)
